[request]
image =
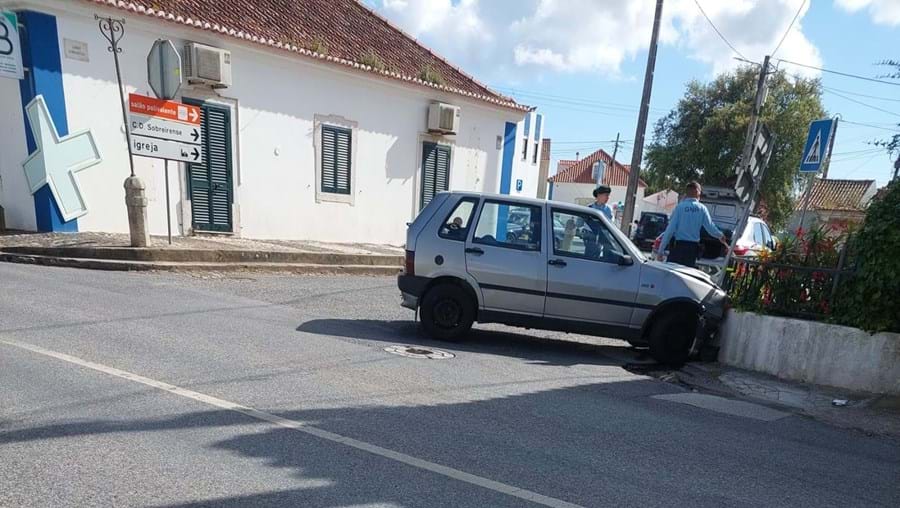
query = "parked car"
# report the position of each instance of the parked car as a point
(649, 227)
(582, 275)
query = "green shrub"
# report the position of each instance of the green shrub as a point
(372, 59)
(429, 74)
(871, 300)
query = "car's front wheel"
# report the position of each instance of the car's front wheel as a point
(672, 336)
(448, 312)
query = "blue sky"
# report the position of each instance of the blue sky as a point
(581, 62)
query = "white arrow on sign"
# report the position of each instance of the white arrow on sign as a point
(156, 127)
(163, 149)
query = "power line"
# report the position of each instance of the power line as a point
(839, 73)
(570, 99)
(786, 32)
(713, 25)
(861, 103)
(861, 94)
(872, 126)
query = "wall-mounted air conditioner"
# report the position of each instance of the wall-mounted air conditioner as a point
(207, 65)
(443, 118)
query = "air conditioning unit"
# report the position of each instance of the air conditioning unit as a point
(207, 65)
(443, 118)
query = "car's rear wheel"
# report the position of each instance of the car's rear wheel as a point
(671, 337)
(447, 312)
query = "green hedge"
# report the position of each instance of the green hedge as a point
(871, 299)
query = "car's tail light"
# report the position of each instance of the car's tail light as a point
(740, 250)
(409, 264)
(656, 243)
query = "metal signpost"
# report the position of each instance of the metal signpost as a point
(816, 154)
(749, 178)
(166, 130)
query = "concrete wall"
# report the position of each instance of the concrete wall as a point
(812, 352)
(275, 99)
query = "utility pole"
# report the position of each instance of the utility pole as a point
(616, 148)
(746, 160)
(638, 153)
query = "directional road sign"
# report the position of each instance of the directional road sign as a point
(164, 129)
(759, 154)
(162, 149)
(818, 145)
(164, 69)
(156, 127)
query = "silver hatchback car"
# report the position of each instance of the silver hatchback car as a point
(551, 266)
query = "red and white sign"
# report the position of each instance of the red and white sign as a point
(168, 110)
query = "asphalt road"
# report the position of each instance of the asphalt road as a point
(121, 389)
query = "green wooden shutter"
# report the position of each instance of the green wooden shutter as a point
(336, 143)
(435, 170)
(211, 181)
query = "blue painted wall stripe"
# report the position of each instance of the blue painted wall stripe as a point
(537, 127)
(527, 124)
(509, 151)
(40, 55)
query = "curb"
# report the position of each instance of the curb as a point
(169, 266)
(155, 254)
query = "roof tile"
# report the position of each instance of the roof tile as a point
(843, 195)
(579, 171)
(346, 29)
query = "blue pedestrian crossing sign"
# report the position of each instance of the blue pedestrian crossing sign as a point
(818, 145)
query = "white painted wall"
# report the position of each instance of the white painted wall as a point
(275, 97)
(527, 169)
(15, 197)
(812, 352)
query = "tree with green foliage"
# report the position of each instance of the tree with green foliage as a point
(869, 300)
(703, 137)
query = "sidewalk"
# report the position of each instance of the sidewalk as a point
(107, 251)
(866, 412)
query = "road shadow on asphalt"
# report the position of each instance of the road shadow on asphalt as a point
(534, 349)
(591, 444)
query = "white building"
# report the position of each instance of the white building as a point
(321, 133)
(575, 181)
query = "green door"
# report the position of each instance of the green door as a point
(435, 170)
(210, 182)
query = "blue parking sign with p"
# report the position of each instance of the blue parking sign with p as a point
(818, 145)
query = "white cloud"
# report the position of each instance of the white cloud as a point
(883, 12)
(514, 38)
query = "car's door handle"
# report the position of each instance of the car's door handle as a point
(474, 250)
(556, 262)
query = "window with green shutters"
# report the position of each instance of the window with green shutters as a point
(336, 146)
(435, 170)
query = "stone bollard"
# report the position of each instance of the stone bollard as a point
(136, 201)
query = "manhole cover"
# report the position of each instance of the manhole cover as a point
(418, 352)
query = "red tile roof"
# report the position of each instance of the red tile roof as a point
(347, 30)
(842, 195)
(580, 171)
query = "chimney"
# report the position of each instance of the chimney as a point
(576, 156)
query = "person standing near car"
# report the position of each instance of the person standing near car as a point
(688, 218)
(601, 197)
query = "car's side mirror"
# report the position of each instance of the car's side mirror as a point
(626, 260)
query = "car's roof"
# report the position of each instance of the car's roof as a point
(518, 199)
